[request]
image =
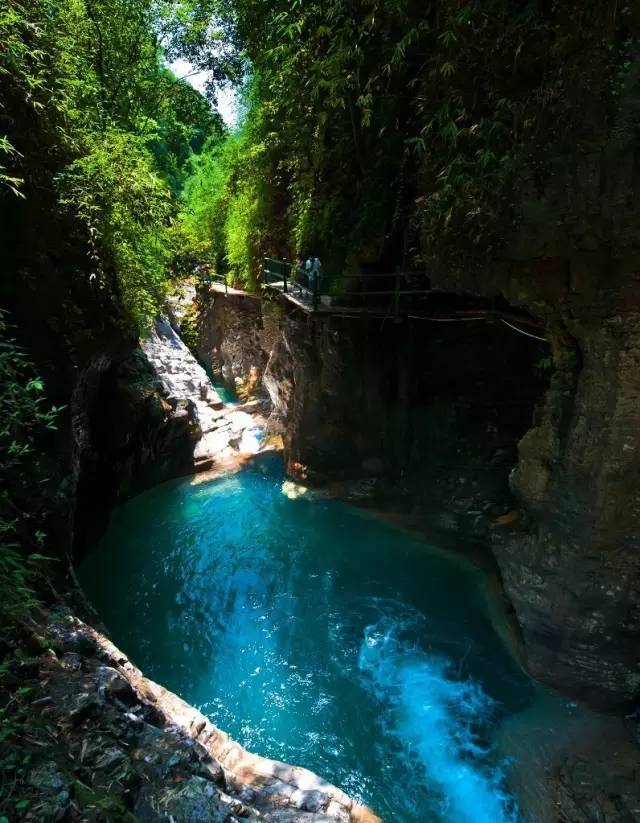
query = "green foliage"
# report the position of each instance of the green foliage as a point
(407, 132)
(229, 220)
(183, 123)
(89, 97)
(198, 234)
(202, 33)
(247, 225)
(115, 189)
(12, 183)
(382, 102)
(24, 417)
(20, 60)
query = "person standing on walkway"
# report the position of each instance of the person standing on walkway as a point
(316, 266)
(307, 267)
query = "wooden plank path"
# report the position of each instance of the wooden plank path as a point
(221, 288)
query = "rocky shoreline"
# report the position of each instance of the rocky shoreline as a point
(102, 742)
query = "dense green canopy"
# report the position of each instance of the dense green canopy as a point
(86, 94)
(376, 132)
(387, 132)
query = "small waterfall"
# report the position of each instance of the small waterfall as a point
(439, 720)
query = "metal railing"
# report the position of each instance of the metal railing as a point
(291, 276)
(363, 289)
(211, 277)
(221, 279)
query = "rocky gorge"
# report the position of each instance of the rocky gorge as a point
(431, 446)
(460, 431)
(457, 430)
(492, 149)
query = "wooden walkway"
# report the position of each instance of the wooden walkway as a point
(398, 296)
(220, 288)
(378, 295)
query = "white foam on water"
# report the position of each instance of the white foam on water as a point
(438, 719)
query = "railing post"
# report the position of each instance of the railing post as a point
(316, 290)
(396, 300)
(284, 276)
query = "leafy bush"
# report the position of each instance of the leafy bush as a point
(24, 416)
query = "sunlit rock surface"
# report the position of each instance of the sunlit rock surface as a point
(226, 430)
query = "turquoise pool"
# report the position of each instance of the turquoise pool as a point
(318, 635)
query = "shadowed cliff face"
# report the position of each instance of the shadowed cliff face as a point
(126, 437)
(572, 568)
(573, 573)
(429, 414)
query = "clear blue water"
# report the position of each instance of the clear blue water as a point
(225, 394)
(318, 635)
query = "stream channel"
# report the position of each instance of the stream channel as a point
(316, 634)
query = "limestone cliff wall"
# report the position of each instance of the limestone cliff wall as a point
(573, 569)
(235, 333)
